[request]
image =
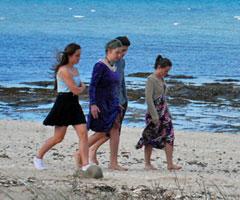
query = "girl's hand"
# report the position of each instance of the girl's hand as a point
(64, 73)
(94, 111)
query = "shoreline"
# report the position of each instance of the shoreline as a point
(209, 159)
(203, 107)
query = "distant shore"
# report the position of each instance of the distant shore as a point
(210, 163)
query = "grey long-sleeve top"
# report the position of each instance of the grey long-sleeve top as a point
(155, 87)
(122, 90)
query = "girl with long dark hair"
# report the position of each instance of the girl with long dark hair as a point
(66, 109)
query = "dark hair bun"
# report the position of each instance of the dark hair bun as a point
(124, 40)
(159, 57)
(162, 62)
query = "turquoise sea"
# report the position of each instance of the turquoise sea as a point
(202, 38)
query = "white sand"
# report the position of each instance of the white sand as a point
(208, 159)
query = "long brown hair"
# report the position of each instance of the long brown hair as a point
(63, 59)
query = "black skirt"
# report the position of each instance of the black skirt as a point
(65, 111)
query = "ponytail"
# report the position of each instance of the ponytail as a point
(162, 62)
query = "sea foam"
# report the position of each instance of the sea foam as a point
(78, 16)
(237, 17)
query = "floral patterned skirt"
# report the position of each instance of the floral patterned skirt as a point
(157, 135)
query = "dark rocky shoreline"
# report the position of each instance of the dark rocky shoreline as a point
(179, 93)
(223, 94)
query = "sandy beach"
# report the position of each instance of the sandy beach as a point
(210, 163)
(202, 75)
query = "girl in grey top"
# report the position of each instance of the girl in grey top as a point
(159, 131)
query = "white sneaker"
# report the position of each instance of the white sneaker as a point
(84, 168)
(92, 163)
(38, 163)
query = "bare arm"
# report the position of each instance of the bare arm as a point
(149, 100)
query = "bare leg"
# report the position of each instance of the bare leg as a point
(81, 155)
(169, 156)
(93, 149)
(77, 158)
(114, 143)
(92, 140)
(147, 156)
(59, 134)
(95, 137)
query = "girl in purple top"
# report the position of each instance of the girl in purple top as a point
(105, 110)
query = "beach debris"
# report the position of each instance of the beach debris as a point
(169, 195)
(140, 190)
(105, 188)
(198, 163)
(58, 156)
(4, 156)
(31, 179)
(125, 154)
(9, 182)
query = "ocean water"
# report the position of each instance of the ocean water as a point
(201, 38)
